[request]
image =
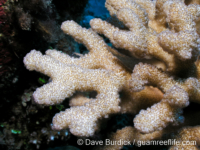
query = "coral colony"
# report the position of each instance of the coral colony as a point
(163, 46)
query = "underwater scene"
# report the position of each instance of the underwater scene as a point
(99, 74)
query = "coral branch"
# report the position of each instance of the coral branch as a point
(159, 41)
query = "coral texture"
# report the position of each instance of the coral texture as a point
(163, 46)
(189, 135)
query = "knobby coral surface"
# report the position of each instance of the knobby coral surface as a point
(163, 46)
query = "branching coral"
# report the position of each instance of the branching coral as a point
(161, 30)
(143, 41)
(70, 74)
